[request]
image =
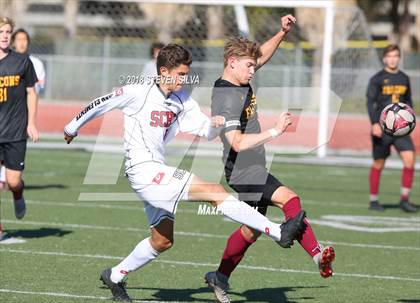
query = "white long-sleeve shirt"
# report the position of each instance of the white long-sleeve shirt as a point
(151, 119)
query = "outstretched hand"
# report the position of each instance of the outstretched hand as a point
(287, 23)
(68, 138)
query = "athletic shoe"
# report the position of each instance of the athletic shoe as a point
(374, 205)
(325, 259)
(20, 208)
(219, 283)
(408, 207)
(117, 289)
(291, 230)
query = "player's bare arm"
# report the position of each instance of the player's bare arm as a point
(270, 47)
(32, 98)
(240, 142)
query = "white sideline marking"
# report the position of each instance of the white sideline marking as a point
(371, 224)
(11, 240)
(194, 234)
(54, 294)
(172, 262)
(63, 295)
(139, 206)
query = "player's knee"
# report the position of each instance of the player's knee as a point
(250, 234)
(14, 183)
(162, 244)
(409, 162)
(283, 195)
(216, 188)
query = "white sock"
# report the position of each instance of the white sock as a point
(243, 213)
(142, 254)
(2, 173)
(405, 192)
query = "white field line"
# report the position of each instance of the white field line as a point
(195, 234)
(62, 295)
(139, 206)
(188, 263)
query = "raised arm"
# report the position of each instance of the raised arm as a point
(270, 46)
(117, 99)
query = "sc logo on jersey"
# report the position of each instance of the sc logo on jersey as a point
(161, 118)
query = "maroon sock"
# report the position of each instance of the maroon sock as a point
(308, 240)
(234, 251)
(374, 177)
(406, 182)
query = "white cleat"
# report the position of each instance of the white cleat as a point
(219, 283)
(20, 208)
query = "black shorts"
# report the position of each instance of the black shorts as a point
(382, 146)
(12, 154)
(257, 195)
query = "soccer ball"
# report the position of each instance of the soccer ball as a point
(398, 120)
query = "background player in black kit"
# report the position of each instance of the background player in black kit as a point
(390, 85)
(18, 106)
(244, 155)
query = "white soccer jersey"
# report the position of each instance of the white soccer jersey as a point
(151, 119)
(40, 73)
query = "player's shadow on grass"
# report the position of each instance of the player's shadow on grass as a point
(391, 205)
(38, 233)
(409, 300)
(268, 295)
(45, 186)
(272, 295)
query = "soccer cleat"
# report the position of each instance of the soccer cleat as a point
(325, 259)
(291, 230)
(117, 289)
(219, 283)
(408, 207)
(374, 205)
(20, 207)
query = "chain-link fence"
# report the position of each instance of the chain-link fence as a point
(87, 46)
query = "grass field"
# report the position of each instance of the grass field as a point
(69, 242)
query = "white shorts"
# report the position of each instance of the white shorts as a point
(160, 187)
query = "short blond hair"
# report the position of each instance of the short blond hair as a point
(241, 47)
(7, 20)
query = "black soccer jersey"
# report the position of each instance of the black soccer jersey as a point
(239, 107)
(16, 74)
(386, 88)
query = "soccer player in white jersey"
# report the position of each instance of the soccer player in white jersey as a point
(20, 42)
(153, 114)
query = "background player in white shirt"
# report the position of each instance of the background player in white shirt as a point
(149, 68)
(21, 42)
(153, 114)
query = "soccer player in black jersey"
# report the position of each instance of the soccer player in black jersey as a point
(18, 106)
(389, 85)
(244, 155)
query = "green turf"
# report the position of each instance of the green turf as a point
(69, 241)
